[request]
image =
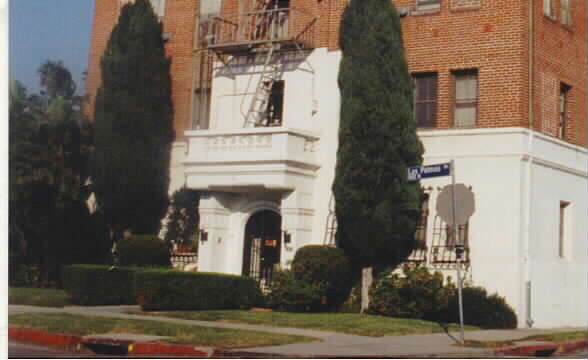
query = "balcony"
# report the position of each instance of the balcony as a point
(235, 33)
(249, 160)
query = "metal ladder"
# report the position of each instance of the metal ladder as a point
(258, 107)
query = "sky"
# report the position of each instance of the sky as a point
(41, 30)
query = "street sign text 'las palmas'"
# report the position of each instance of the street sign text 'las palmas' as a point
(416, 173)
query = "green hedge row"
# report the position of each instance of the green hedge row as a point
(158, 289)
(100, 284)
(174, 290)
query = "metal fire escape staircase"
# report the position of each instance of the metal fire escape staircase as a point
(266, 32)
(270, 73)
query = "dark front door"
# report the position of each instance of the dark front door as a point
(262, 245)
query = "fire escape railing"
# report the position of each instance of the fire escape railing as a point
(254, 28)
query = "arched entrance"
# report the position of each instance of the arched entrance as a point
(262, 245)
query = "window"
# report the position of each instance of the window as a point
(428, 5)
(280, 4)
(158, 7)
(462, 235)
(201, 111)
(563, 227)
(275, 107)
(466, 98)
(548, 8)
(564, 95)
(566, 12)
(425, 100)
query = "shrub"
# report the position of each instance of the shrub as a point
(319, 280)
(293, 295)
(353, 303)
(99, 284)
(479, 309)
(143, 250)
(416, 294)
(162, 289)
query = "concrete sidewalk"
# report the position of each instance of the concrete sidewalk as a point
(332, 344)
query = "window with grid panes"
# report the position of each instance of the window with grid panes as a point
(425, 100)
(158, 7)
(466, 98)
(548, 8)
(566, 12)
(427, 5)
(462, 236)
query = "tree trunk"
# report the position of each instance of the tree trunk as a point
(366, 283)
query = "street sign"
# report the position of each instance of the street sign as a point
(463, 199)
(416, 173)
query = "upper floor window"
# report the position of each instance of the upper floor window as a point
(280, 4)
(425, 100)
(466, 98)
(427, 5)
(275, 106)
(564, 98)
(158, 7)
(548, 8)
(566, 12)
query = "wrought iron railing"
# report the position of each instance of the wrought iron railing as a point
(257, 27)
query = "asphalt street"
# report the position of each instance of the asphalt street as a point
(29, 351)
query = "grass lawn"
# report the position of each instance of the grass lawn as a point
(179, 334)
(555, 337)
(355, 324)
(38, 297)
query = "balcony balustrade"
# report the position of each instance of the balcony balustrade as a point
(256, 158)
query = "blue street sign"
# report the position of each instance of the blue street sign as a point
(416, 173)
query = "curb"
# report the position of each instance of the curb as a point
(176, 350)
(75, 343)
(45, 338)
(547, 349)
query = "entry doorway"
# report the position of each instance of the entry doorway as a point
(262, 246)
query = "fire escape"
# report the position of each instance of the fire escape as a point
(265, 33)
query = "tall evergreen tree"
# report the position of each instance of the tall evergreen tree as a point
(133, 125)
(50, 223)
(377, 209)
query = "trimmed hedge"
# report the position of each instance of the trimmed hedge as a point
(99, 284)
(319, 280)
(143, 250)
(158, 289)
(293, 295)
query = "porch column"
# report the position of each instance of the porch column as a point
(214, 222)
(297, 216)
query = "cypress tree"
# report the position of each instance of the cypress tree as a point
(133, 131)
(377, 209)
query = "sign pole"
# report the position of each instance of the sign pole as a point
(457, 249)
